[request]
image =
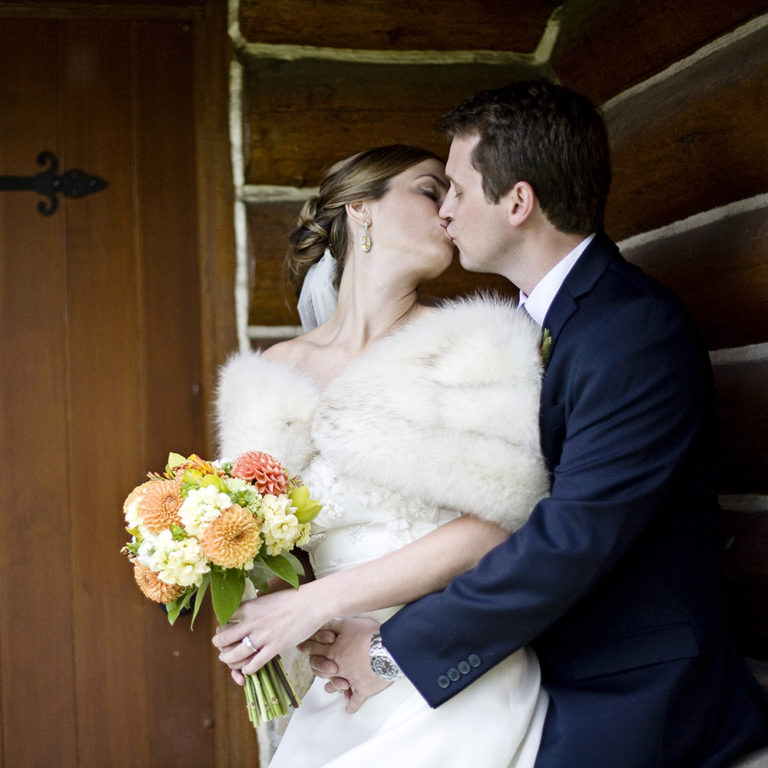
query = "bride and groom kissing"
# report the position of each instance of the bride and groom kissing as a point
(526, 554)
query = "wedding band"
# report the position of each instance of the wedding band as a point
(246, 641)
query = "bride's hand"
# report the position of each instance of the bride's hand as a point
(265, 626)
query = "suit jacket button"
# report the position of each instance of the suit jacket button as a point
(474, 660)
(464, 668)
(453, 674)
(443, 681)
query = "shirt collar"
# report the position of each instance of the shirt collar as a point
(538, 302)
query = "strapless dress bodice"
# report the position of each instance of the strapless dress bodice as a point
(359, 522)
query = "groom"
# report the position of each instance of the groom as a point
(614, 579)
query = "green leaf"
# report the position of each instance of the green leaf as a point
(227, 587)
(199, 595)
(175, 460)
(295, 562)
(177, 606)
(281, 566)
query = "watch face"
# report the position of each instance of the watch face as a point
(383, 668)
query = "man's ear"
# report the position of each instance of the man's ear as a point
(521, 201)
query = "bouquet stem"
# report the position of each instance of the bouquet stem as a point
(268, 693)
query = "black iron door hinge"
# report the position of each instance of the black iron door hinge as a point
(74, 183)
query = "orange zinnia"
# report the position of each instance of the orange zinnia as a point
(153, 587)
(233, 538)
(159, 505)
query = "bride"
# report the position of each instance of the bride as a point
(417, 429)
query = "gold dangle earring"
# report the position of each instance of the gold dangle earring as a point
(365, 238)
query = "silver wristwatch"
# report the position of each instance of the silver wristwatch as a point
(382, 663)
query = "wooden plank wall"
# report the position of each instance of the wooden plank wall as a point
(108, 312)
(682, 88)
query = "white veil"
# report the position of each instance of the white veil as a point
(318, 297)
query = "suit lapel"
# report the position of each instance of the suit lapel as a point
(598, 256)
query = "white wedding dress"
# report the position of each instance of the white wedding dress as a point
(496, 721)
(437, 420)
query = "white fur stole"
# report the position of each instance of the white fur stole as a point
(445, 410)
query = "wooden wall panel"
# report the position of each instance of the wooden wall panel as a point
(37, 705)
(638, 39)
(134, 318)
(171, 361)
(691, 142)
(105, 383)
(215, 203)
(703, 132)
(742, 390)
(720, 270)
(101, 376)
(272, 300)
(398, 24)
(456, 281)
(302, 116)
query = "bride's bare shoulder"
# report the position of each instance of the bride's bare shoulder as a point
(288, 352)
(297, 352)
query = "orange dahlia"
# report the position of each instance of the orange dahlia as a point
(159, 505)
(135, 495)
(233, 538)
(153, 587)
(261, 469)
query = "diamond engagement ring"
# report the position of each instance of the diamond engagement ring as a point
(246, 641)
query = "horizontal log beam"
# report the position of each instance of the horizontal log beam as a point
(605, 47)
(302, 116)
(693, 141)
(397, 25)
(720, 271)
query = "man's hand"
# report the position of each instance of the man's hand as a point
(341, 651)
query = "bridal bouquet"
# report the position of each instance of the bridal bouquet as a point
(213, 525)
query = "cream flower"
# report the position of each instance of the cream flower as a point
(282, 530)
(175, 561)
(201, 507)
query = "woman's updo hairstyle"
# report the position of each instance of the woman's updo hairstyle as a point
(322, 222)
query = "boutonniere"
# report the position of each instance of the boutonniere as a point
(545, 348)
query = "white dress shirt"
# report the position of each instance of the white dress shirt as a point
(541, 297)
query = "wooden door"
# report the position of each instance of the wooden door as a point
(101, 374)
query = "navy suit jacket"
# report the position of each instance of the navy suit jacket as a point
(615, 579)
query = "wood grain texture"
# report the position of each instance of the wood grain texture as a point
(694, 141)
(101, 371)
(302, 116)
(215, 201)
(720, 271)
(397, 25)
(36, 587)
(606, 46)
(272, 300)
